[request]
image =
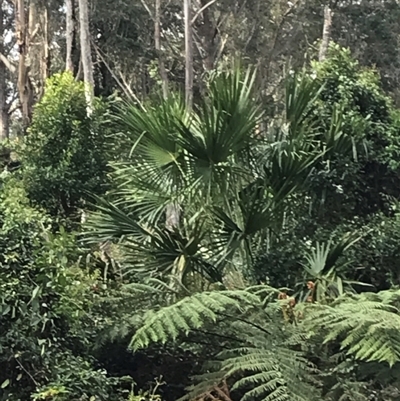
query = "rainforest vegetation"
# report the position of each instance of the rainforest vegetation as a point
(199, 200)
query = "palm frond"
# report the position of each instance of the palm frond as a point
(325, 256)
(288, 168)
(221, 129)
(110, 222)
(301, 92)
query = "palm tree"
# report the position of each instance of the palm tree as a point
(232, 186)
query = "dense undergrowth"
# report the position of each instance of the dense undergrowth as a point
(216, 254)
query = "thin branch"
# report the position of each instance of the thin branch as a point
(12, 108)
(147, 9)
(9, 65)
(201, 10)
(253, 31)
(124, 86)
(23, 368)
(221, 49)
(34, 33)
(130, 91)
(13, 105)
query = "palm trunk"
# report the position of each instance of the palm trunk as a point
(86, 54)
(326, 33)
(187, 7)
(157, 43)
(70, 34)
(172, 215)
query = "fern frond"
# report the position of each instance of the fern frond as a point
(190, 313)
(271, 373)
(367, 325)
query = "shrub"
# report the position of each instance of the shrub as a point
(65, 154)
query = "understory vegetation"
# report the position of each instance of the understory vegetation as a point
(236, 250)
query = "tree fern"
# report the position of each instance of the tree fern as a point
(269, 372)
(190, 313)
(367, 325)
(260, 361)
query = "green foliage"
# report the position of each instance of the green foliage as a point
(366, 324)
(367, 113)
(231, 188)
(65, 153)
(349, 182)
(258, 354)
(190, 313)
(357, 89)
(201, 200)
(235, 194)
(265, 355)
(44, 297)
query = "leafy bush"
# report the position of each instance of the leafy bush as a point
(65, 153)
(45, 298)
(356, 186)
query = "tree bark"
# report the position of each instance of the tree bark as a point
(70, 34)
(187, 8)
(4, 117)
(25, 88)
(326, 33)
(157, 44)
(45, 49)
(86, 54)
(172, 214)
(208, 32)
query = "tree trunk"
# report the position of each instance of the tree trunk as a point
(86, 54)
(187, 7)
(208, 32)
(45, 50)
(25, 88)
(172, 214)
(70, 34)
(326, 33)
(157, 43)
(4, 118)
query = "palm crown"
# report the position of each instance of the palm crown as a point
(227, 186)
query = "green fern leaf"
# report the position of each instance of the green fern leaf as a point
(367, 324)
(190, 313)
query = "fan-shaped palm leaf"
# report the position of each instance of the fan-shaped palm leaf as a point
(301, 93)
(323, 268)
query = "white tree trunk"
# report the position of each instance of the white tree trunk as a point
(25, 88)
(187, 10)
(157, 44)
(326, 33)
(86, 55)
(4, 118)
(70, 34)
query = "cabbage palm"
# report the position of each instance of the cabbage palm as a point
(231, 185)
